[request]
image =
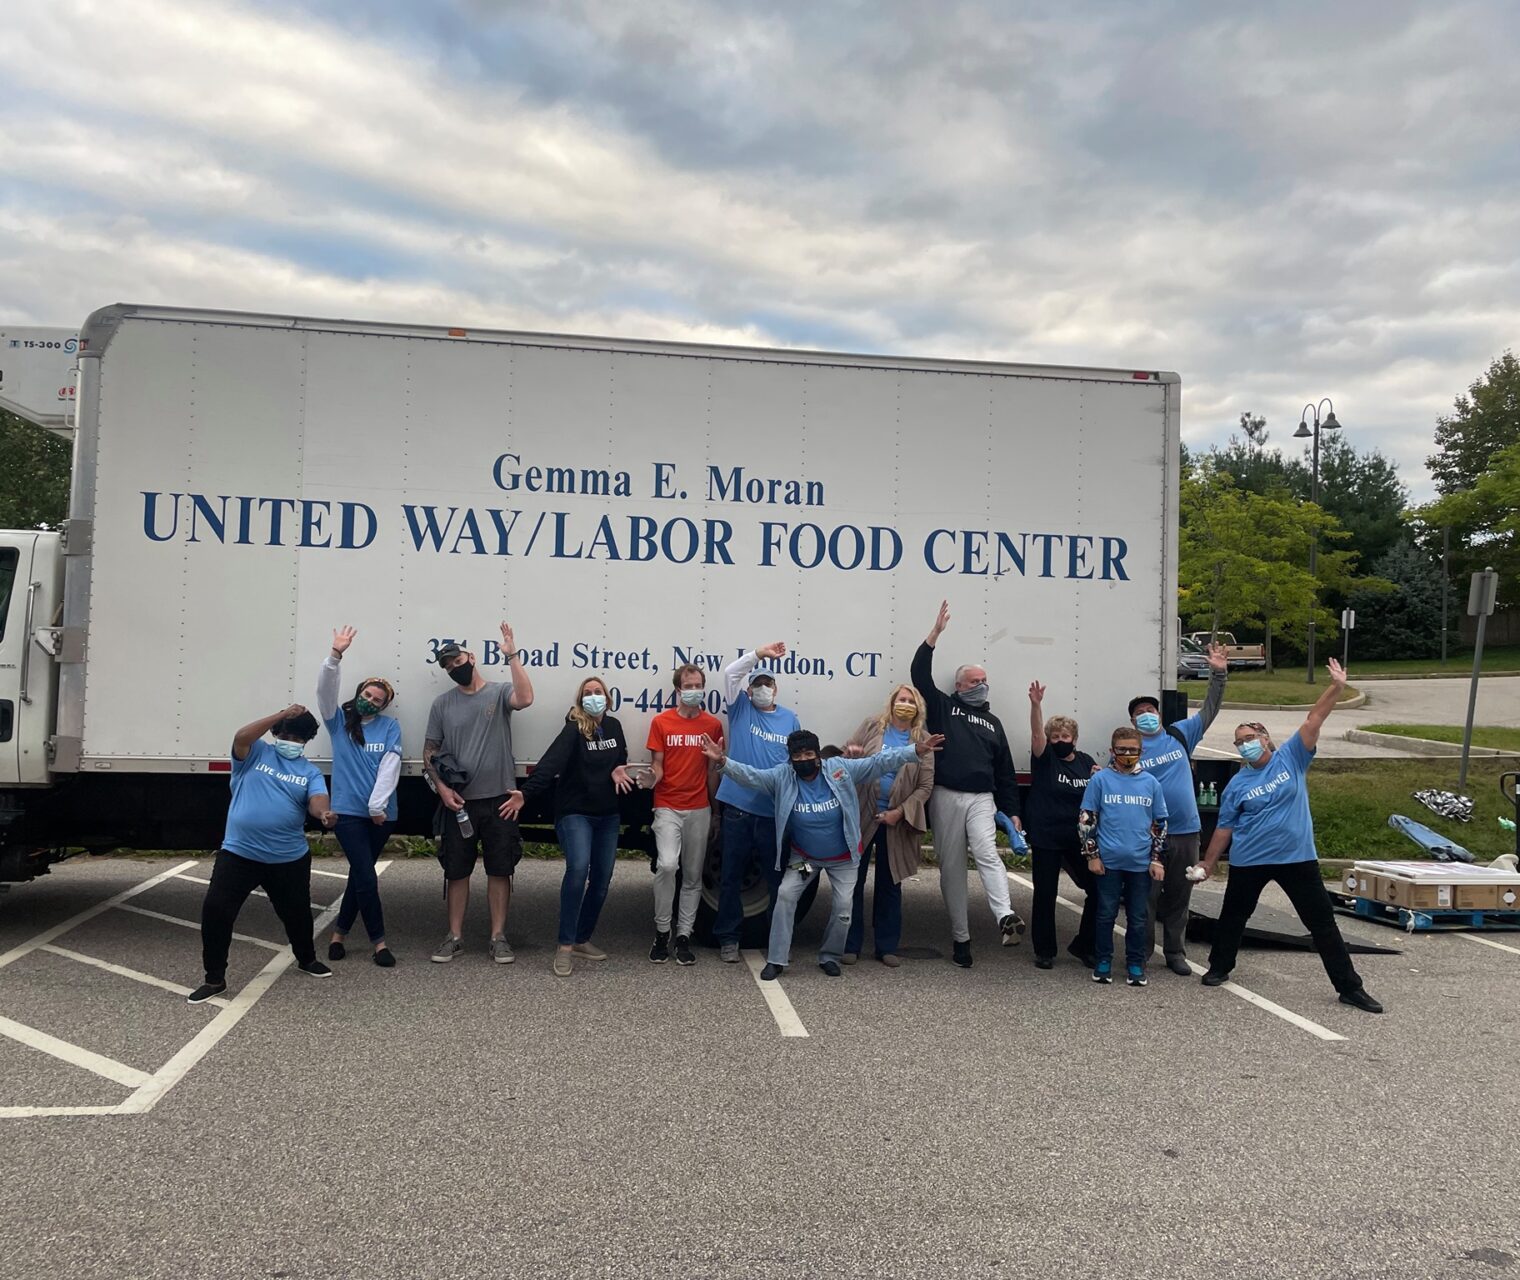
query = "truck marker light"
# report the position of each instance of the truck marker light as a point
(219, 766)
(456, 333)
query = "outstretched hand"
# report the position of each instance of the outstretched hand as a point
(712, 750)
(342, 638)
(513, 805)
(776, 649)
(508, 640)
(1337, 673)
(1036, 693)
(1218, 656)
(940, 622)
(932, 743)
(621, 782)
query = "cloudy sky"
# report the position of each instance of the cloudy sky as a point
(1281, 200)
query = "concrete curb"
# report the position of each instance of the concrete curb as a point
(1350, 704)
(1431, 747)
(1439, 675)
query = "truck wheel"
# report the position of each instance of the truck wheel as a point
(754, 893)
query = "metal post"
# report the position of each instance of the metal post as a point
(1472, 701)
(1314, 548)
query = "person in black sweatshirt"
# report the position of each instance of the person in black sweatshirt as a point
(587, 766)
(974, 778)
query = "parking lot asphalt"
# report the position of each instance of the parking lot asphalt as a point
(474, 1119)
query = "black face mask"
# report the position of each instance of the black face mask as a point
(1063, 750)
(807, 770)
(463, 673)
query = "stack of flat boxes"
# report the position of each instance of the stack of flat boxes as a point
(1435, 886)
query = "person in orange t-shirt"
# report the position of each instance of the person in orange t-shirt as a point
(682, 809)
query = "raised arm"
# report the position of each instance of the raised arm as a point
(1323, 706)
(244, 738)
(1036, 719)
(522, 686)
(1219, 674)
(734, 673)
(766, 780)
(327, 674)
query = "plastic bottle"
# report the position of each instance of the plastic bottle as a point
(466, 827)
(1203, 794)
(1213, 796)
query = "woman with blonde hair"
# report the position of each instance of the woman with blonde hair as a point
(893, 820)
(588, 763)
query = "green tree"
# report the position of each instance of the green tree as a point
(1365, 495)
(1485, 420)
(1489, 514)
(34, 477)
(1404, 622)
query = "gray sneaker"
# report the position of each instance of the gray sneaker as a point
(447, 949)
(729, 953)
(501, 951)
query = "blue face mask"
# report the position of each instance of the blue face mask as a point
(594, 704)
(1148, 722)
(290, 750)
(692, 697)
(1251, 751)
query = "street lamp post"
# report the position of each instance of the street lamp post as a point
(1309, 415)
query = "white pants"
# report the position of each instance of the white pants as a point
(680, 839)
(963, 820)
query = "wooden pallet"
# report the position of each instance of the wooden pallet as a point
(1427, 920)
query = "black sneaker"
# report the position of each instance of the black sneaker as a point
(1359, 999)
(205, 991)
(1044, 962)
(660, 952)
(683, 951)
(385, 959)
(831, 967)
(1213, 978)
(1179, 966)
(961, 954)
(1013, 929)
(336, 951)
(1085, 958)
(315, 969)
(771, 972)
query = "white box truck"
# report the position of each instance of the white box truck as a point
(242, 484)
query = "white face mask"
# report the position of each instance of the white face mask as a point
(762, 695)
(290, 750)
(692, 697)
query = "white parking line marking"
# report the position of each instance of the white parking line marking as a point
(257, 893)
(47, 935)
(775, 998)
(334, 875)
(122, 1074)
(1489, 942)
(124, 972)
(26, 1113)
(196, 924)
(1234, 988)
(173, 1071)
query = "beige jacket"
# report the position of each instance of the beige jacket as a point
(910, 793)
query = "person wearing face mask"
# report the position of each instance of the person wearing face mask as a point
(472, 724)
(1059, 774)
(1167, 752)
(366, 756)
(1122, 826)
(682, 809)
(587, 767)
(274, 788)
(973, 780)
(816, 810)
(1265, 826)
(757, 732)
(893, 818)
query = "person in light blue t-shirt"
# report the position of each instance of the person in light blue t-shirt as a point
(274, 788)
(1122, 825)
(1265, 825)
(366, 765)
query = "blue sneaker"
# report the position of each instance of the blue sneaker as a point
(1103, 973)
(1136, 976)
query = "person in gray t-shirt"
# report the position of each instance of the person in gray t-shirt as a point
(473, 724)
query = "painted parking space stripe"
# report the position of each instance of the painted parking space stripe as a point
(1234, 988)
(776, 999)
(333, 875)
(122, 971)
(1489, 942)
(196, 924)
(148, 1088)
(257, 893)
(47, 935)
(112, 1070)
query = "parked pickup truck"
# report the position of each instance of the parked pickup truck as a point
(1242, 657)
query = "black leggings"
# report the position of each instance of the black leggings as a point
(233, 878)
(1047, 874)
(1306, 891)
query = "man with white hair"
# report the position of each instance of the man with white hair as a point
(974, 779)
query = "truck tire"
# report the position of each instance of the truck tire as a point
(754, 893)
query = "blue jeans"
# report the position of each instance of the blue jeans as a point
(748, 840)
(590, 848)
(362, 841)
(886, 904)
(841, 890)
(1135, 888)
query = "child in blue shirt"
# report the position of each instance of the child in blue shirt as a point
(1122, 826)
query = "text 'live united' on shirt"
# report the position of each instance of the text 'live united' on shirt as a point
(678, 738)
(1125, 804)
(1267, 809)
(267, 818)
(976, 756)
(756, 738)
(580, 769)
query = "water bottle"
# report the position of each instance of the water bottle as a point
(466, 827)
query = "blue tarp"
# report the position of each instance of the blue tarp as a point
(1435, 844)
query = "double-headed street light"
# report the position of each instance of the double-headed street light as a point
(1310, 415)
